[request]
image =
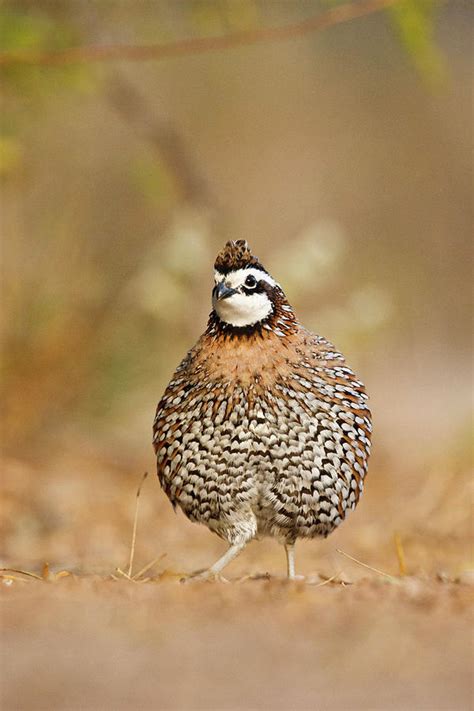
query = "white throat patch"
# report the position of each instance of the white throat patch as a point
(243, 309)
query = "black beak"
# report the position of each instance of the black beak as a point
(221, 291)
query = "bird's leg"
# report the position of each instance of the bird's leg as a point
(290, 560)
(213, 572)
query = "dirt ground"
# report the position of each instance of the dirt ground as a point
(89, 643)
(82, 636)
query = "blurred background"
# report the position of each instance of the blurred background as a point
(343, 156)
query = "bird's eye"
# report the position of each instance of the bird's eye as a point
(251, 281)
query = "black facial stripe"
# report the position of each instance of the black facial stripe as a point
(260, 287)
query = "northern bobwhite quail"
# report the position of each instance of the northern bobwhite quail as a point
(263, 430)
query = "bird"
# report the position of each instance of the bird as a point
(264, 430)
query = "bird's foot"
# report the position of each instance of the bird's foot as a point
(296, 578)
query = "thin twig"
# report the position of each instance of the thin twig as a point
(135, 521)
(329, 18)
(364, 565)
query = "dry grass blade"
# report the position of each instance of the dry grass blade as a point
(135, 522)
(45, 576)
(9, 579)
(147, 567)
(328, 580)
(365, 565)
(21, 572)
(400, 554)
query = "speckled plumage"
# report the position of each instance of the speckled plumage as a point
(263, 430)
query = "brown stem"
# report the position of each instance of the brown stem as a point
(334, 16)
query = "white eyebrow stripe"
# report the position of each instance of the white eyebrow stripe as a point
(237, 278)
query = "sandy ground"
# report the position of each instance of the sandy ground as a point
(90, 643)
(360, 640)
